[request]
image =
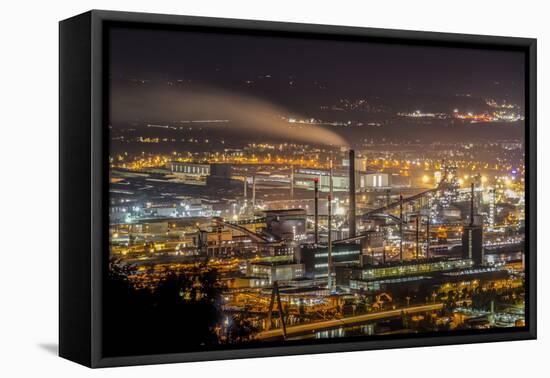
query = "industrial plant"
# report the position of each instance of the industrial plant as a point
(338, 240)
(306, 195)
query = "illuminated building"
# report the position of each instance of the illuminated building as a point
(472, 243)
(394, 269)
(451, 212)
(492, 210)
(119, 214)
(190, 170)
(164, 211)
(275, 271)
(315, 258)
(286, 224)
(374, 180)
(214, 174)
(373, 241)
(472, 235)
(303, 178)
(360, 163)
(422, 273)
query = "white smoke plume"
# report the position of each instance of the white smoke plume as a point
(247, 115)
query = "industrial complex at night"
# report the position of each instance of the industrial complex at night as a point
(337, 238)
(353, 207)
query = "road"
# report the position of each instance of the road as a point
(335, 323)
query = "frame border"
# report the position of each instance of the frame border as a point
(99, 189)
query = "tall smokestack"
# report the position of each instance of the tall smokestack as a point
(352, 225)
(291, 182)
(428, 237)
(417, 236)
(253, 192)
(472, 204)
(316, 220)
(401, 228)
(219, 240)
(330, 185)
(329, 210)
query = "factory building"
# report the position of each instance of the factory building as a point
(286, 224)
(451, 213)
(472, 243)
(373, 241)
(315, 258)
(181, 209)
(472, 235)
(191, 170)
(271, 272)
(198, 173)
(163, 211)
(247, 282)
(118, 214)
(492, 209)
(394, 269)
(360, 162)
(225, 244)
(450, 271)
(303, 178)
(220, 175)
(374, 180)
(149, 228)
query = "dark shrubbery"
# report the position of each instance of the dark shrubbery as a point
(180, 314)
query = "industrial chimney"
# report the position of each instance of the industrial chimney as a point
(401, 228)
(253, 193)
(472, 196)
(316, 215)
(329, 244)
(291, 182)
(352, 220)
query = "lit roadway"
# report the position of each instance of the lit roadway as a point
(335, 323)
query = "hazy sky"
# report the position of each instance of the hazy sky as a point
(348, 68)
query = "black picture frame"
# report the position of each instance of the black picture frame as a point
(83, 153)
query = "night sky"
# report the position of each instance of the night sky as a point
(341, 65)
(194, 75)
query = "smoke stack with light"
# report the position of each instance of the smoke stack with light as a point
(253, 192)
(352, 220)
(316, 220)
(291, 182)
(329, 244)
(401, 228)
(472, 204)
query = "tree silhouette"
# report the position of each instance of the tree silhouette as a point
(180, 314)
